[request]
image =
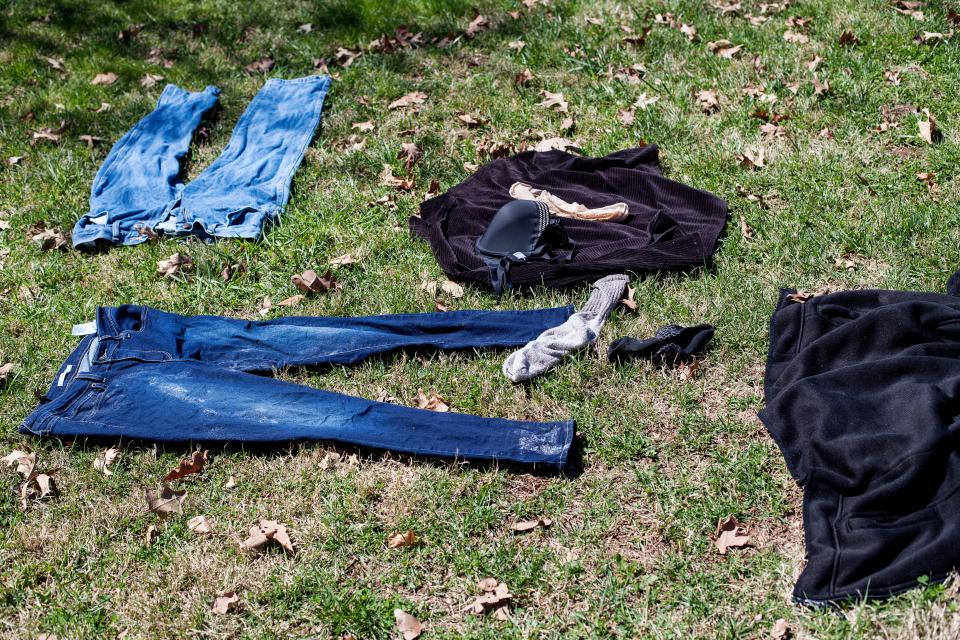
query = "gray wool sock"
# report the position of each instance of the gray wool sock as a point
(581, 329)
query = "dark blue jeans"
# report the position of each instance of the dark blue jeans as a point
(138, 191)
(147, 374)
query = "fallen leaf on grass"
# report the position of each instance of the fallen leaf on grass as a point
(150, 80)
(848, 38)
(628, 301)
(47, 239)
(150, 534)
(410, 627)
(188, 466)
(409, 100)
(49, 134)
(104, 78)
(433, 402)
(471, 121)
(345, 57)
(752, 159)
(399, 540)
(260, 66)
(687, 371)
(55, 63)
(795, 38)
(25, 461)
(690, 31)
(780, 630)
(344, 260)
(523, 78)
(363, 126)
(5, 370)
(103, 461)
(12, 160)
(724, 48)
(708, 100)
(90, 140)
(556, 144)
(928, 178)
(553, 101)
(731, 534)
(452, 289)
(495, 596)
(225, 602)
(387, 179)
(745, 230)
(310, 282)
(177, 263)
(166, 502)
(305, 28)
(477, 25)
(529, 525)
(231, 483)
(199, 525)
(409, 153)
(928, 128)
(932, 37)
(802, 296)
(266, 531)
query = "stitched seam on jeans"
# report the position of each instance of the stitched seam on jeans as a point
(837, 551)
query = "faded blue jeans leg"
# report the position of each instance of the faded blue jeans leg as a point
(137, 191)
(152, 375)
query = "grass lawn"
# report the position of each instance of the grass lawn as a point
(837, 204)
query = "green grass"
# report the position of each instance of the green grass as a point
(630, 553)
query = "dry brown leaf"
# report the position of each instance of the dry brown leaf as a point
(731, 534)
(292, 301)
(25, 461)
(47, 239)
(553, 101)
(523, 78)
(529, 525)
(452, 289)
(820, 88)
(344, 260)
(928, 128)
(5, 370)
(56, 63)
(802, 296)
(724, 48)
(387, 179)
(103, 461)
(263, 533)
(752, 159)
(745, 230)
(495, 596)
(471, 121)
(409, 153)
(307, 27)
(367, 125)
(625, 116)
(433, 402)
(628, 301)
(310, 282)
(104, 78)
(188, 466)
(780, 630)
(928, 178)
(690, 31)
(12, 160)
(410, 627)
(150, 80)
(177, 263)
(556, 144)
(49, 134)
(708, 100)
(150, 534)
(231, 483)
(200, 525)
(166, 502)
(345, 57)
(795, 38)
(225, 602)
(399, 540)
(771, 130)
(477, 25)
(411, 99)
(814, 63)
(264, 307)
(687, 371)
(848, 38)
(260, 66)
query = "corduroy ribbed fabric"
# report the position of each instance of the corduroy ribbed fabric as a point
(670, 226)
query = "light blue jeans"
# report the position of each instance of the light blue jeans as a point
(138, 191)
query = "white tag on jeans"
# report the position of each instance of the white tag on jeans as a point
(84, 329)
(63, 376)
